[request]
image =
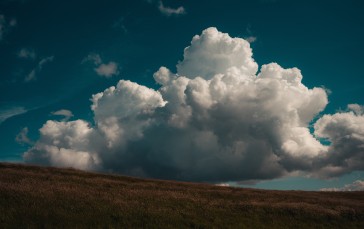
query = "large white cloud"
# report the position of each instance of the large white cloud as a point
(215, 119)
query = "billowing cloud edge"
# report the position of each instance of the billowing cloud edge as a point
(216, 119)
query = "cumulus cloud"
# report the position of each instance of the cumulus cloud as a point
(22, 137)
(107, 70)
(32, 76)
(128, 120)
(25, 53)
(345, 131)
(65, 144)
(67, 114)
(216, 119)
(355, 186)
(6, 25)
(168, 11)
(214, 53)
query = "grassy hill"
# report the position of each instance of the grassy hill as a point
(39, 197)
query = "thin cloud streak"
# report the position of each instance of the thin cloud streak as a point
(67, 114)
(33, 75)
(11, 112)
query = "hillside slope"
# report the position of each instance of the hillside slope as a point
(40, 197)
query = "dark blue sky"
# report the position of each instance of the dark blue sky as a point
(324, 39)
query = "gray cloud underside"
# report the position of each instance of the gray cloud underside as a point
(216, 119)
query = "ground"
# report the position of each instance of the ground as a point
(44, 197)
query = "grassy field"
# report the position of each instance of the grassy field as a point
(40, 197)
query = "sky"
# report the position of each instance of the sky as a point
(263, 94)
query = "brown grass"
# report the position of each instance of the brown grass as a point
(40, 197)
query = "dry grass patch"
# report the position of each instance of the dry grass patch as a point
(39, 197)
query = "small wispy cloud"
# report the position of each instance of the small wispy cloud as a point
(67, 114)
(22, 138)
(120, 25)
(5, 25)
(26, 53)
(10, 112)
(102, 69)
(13, 22)
(357, 185)
(168, 11)
(32, 76)
(249, 37)
(92, 57)
(108, 69)
(223, 185)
